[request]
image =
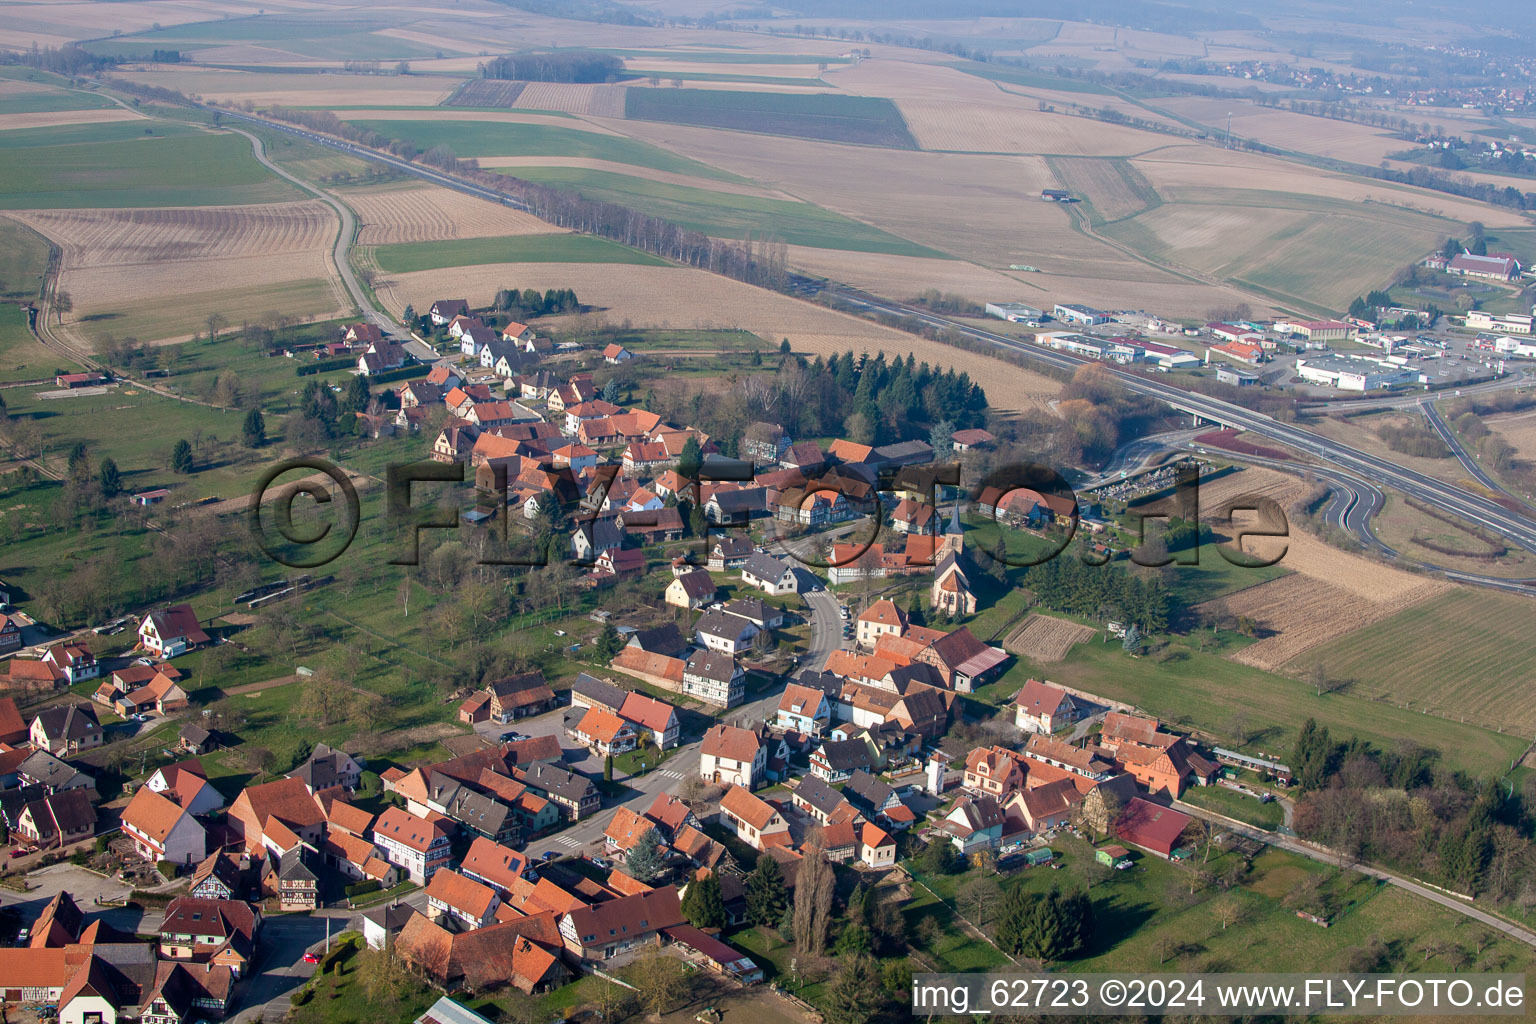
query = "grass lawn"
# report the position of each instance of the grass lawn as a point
(1195, 689)
(46, 102)
(497, 138)
(196, 365)
(124, 164)
(137, 429)
(1233, 804)
(406, 257)
(725, 215)
(1464, 653)
(22, 357)
(154, 319)
(23, 261)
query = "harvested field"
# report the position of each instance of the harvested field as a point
(1468, 655)
(1282, 129)
(157, 273)
(119, 238)
(486, 92)
(1047, 638)
(52, 118)
(1299, 612)
(554, 120)
(981, 208)
(1112, 189)
(388, 214)
(908, 276)
(599, 100)
(672, 297)
(996, 127)
(1305, 554)
(1519, 429)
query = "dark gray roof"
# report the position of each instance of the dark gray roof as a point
(818, 794)
(324, 769)
(291, 867)
(600, 692)
(194, 733)
(917, 672)
(68, 721)
(48, 771)
(752, 608)
(716, 665)
(476, 810)
(868, 793)
(765, 567)
(733, 546)
(847, 755)
(697, 584)
(829, 683)
(547, 778)
(718, 623)
(666, 640)
(392, 917)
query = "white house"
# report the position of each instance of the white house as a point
(770, 575)
(724, 632)
(162, 829)
(412, 843)
(730, 755)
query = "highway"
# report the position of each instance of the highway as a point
(1513, 526)
(1438, 425)
(1516, 527)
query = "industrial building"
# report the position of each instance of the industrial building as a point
(1355, 374)
(1014, 312)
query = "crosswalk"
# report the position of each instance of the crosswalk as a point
(670, 774)
(568, 841)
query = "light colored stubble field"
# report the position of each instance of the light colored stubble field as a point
(54, 118)
(156, 274)
(601, 100)
(1299, 612)
(1046, 638)
(682, 298)
(425, 213)
(982, 208)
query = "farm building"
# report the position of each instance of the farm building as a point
(1496, 266)
(1055, 195)
(1151, 826)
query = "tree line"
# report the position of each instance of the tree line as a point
(1405, 809)
(1066, 584)
(554, 67)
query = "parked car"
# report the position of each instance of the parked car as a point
(311, 958)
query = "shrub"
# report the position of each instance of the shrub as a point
(359, 888)
(167, 869)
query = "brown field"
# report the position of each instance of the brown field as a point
(1047, 638)
(905, 277)
(1305, 554)
(275, 89)
(1103, 183)
(982, 208)
(1363, 432)
(424, 213)
(52, 118)
(1302, 133)
(1519, 429)
(120, 265)
(662, 67)
(1298, 612)
(679, 297)
(1190, 171)
(600, 100)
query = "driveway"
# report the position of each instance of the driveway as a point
(551, 723)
